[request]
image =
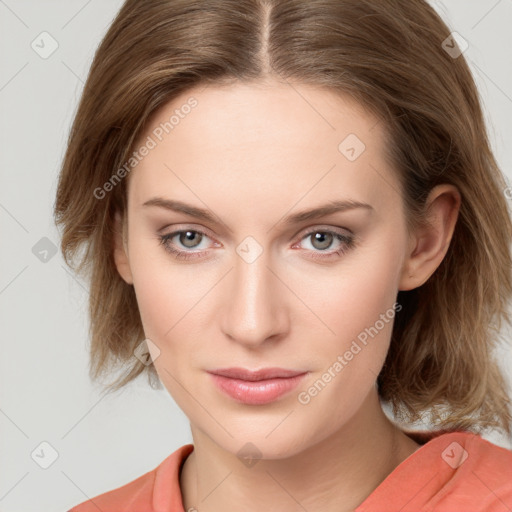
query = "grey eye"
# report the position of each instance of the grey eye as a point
(321, 239)
(187, 238)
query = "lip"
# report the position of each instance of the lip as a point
(256, 387)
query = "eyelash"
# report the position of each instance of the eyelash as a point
(348, 240)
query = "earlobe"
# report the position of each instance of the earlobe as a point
(121, 258)
(430, 242)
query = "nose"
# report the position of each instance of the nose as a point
(256, 307)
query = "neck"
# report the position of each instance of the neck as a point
(336, 474)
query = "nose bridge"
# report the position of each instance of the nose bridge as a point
(254, 311)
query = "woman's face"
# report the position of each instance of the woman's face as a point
(262, 283)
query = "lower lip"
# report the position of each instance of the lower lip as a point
(256, 392)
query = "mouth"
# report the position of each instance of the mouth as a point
(256, 387)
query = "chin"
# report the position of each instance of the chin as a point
(255, 445)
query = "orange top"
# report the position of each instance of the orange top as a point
(449, 472)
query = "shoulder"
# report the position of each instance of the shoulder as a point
(137, 493)
(476, 474)
(482, 472)
(469, 473)
(155, 489)
(466, 453)
(450, 471)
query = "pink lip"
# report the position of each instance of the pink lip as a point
(256, 387)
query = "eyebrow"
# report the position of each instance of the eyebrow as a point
(295, 218)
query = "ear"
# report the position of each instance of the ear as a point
(121, 249)
(429, 244)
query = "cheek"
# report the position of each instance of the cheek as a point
(354, 295)
(157, 303)
(358, 309)
(166, 299)
(177, 308)
(165, 293)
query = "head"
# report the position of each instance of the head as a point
(275, 108)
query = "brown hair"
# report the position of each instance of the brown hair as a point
(389, 56)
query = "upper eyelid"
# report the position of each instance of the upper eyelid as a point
(174, 231)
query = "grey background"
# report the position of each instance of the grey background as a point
(45, 392)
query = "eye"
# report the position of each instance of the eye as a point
(324, 239)
(320, 243)
(188, 238)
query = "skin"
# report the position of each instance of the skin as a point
(252, 154)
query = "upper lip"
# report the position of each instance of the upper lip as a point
(253, 375)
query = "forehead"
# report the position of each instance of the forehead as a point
(263, 144)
